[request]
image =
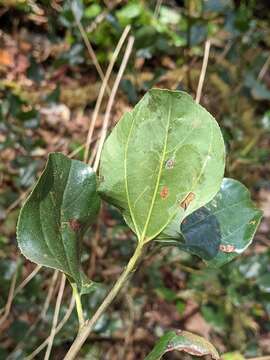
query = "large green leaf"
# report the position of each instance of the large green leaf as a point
(63, 204)
(166, 157)
(182, 341)
(220, 230)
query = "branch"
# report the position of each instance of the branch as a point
(203, 71)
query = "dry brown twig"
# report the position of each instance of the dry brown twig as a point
(102, 91)
(14, 291)
(157, 8)
(10, 298)
(17, 201)
(55, 316)
(128, 335)
(264, 68)
(88, 45)
(59, 327)
(27, 279)
(111, 100)
(110, 6)
(50, 294)
(40, 317)
(203, 71)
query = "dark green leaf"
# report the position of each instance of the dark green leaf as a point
(63, 204)
(166, 157)
(220, 230)
(264, 283)
(182, 341)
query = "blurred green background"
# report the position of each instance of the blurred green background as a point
(48, 89)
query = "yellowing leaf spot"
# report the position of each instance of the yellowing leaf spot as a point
(164, 192)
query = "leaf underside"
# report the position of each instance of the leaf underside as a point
(219, 231)
(166, 157)
(184, 341)
(63, 204)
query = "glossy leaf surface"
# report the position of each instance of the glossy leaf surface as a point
(163, 158)
(182, 341)
(63, 204)
(220, 230)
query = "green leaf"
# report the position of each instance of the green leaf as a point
(233, 356)
(166, 157)
(92, 11)
(219, 231)
(63, 204)
(182, 341)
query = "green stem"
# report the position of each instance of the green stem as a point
(78, 304)
(88, 326)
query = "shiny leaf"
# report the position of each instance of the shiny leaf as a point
(166, 157)
(63, 204)
(220, 230)
(182, 341)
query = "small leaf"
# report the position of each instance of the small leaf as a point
(166, 157)
(182, 341)
(63, 204)
(220, 230)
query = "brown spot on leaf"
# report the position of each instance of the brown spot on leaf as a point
(227, 248)
(164, 192)
(187, 200)
(75, 225)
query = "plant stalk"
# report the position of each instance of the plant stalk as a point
(88, 326)
(78, 304)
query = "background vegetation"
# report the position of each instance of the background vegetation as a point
(48, 89)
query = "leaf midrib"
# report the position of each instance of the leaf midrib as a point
(126, 179)
(159, 174)
(63, 220)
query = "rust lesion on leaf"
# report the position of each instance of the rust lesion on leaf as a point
(187, 200)
(227, 248)
(164, 193)
(75, 225)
